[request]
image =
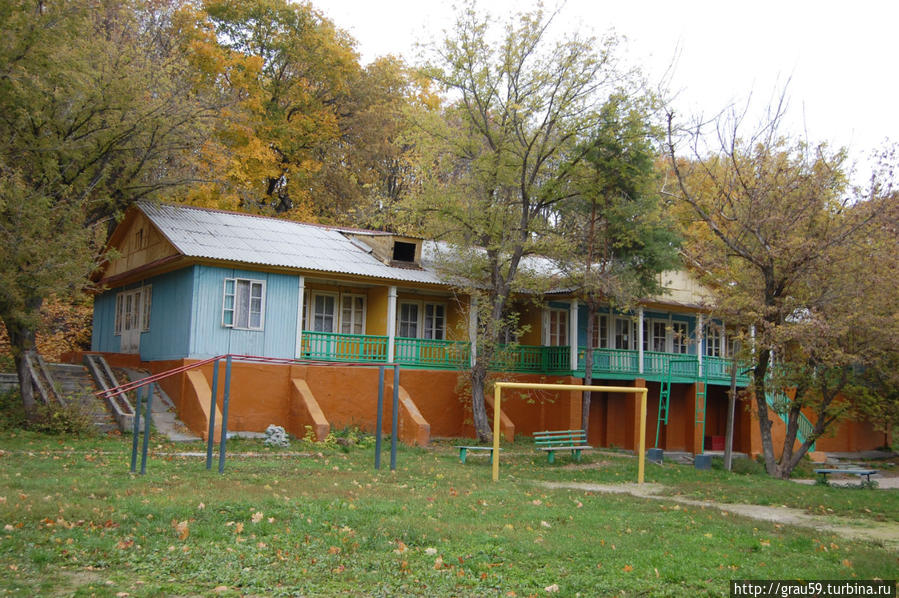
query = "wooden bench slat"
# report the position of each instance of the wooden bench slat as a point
(463, 451)
(551, 441)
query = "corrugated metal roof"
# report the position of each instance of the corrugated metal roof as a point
(249, 239)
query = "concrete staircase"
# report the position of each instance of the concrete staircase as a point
(74, 384)
(162, 411)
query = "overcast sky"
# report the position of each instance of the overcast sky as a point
(839, 57)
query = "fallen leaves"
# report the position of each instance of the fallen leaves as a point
(182, 529)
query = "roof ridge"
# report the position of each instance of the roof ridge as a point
(333, 227)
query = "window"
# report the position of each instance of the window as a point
(558, 328)
(324, 313)
(435, 321)
(119, 312)
(141, 239)
(600, 331)
(659, 335)
(242, 307)
(713, 341)
(624, 332)
(403, 252)
(352, 314)
(132, 310)
(407, 323)
(679, 337)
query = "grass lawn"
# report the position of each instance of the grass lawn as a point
(76, 522)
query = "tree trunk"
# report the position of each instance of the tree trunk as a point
(588, 368)
(761, 402)
(22, 340)
(478, 409)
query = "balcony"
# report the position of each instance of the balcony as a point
(456, 355)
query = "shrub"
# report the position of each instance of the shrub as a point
(12, 412)
(72, 418)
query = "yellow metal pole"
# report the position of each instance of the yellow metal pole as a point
(497, 392)
(641, 466)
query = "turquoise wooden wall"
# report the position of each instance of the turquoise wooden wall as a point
(209, 337)
(170, 313)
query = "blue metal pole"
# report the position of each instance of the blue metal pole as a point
(147, 418)
(225, 400)
(380, 417)
(135, 430)
(394, 428)
(211, 438)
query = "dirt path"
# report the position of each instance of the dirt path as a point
(886, 533)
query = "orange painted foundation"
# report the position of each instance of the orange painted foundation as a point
(319, 399)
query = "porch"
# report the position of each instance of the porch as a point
(611, 364)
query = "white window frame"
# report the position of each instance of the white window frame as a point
(556, 331)
(144, 297)
(600, 336)
(146, 302)
(653, 337)
(311, 312)
(352, 322)
(119, 313)
(630, 325)
(713, 340)
(680, 341)
(418, 318)
(233, 309)
(431, 322)
(421, 321)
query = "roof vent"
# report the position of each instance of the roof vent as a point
(403, 252)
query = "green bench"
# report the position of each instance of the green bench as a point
(463, 451)
(551, 441)
(859, 472)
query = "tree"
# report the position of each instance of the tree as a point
(503, 152)
(296, 75)
(793, 252)
(97, 109)
(619, 240)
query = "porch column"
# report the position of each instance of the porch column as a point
(391, 323)
(640, 340)
(301, 299)
(473, 327)
(723, 340)
(572, 334)
(699, 342)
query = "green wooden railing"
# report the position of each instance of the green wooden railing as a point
(451, 355)
(433, 354)
(329, 346)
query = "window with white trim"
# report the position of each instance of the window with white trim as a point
(713, 341)
(558, 328)
(324, 312)
(243, 305)
(132, 310)
(600, 331)
(435, 321)
(407, 322)
(352, 314)
(659, 336)
(679, 337)
(624, 333)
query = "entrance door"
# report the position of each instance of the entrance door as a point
(131, 321)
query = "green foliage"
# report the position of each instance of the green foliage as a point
(12, 412)
(99, 109)
(789, 249)
(73, 419)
